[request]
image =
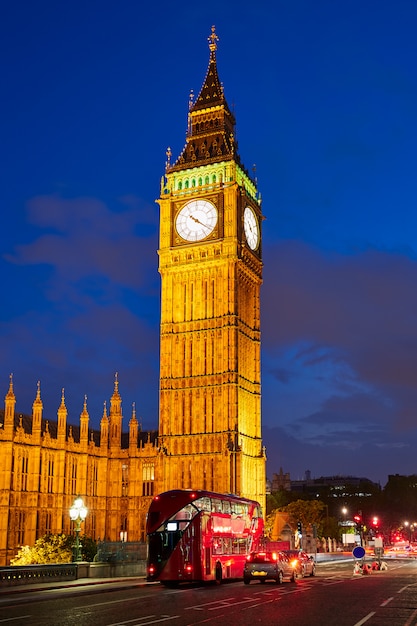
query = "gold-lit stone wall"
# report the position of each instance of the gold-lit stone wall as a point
(46, 464)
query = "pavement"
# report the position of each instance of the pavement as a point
(99, 583)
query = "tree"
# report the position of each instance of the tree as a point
(47, 549)
(308, 512)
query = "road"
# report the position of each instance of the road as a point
(335, 597)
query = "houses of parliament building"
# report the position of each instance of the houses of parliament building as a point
(209, 431)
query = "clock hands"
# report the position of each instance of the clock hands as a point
(198, 222)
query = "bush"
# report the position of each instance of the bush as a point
(47, 549)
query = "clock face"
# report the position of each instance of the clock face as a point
(196, 220)
(250, 224)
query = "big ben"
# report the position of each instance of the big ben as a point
(210, 262)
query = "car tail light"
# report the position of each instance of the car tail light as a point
(188, 568)
(151, 569)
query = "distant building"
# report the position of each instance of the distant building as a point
(337, 486)
(280, 481)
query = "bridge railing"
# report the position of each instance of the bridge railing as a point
(26, 574)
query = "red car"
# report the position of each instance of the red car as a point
(302, 563)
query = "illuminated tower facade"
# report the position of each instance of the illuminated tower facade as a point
(210, 261)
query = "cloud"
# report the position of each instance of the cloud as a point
(339, 348)
(82, 237)
(93, 311)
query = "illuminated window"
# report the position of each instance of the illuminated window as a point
(20, 528)
(148, 477)
(25, 465)
(73, 477)
(50, 477)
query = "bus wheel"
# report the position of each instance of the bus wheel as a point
(218, 573)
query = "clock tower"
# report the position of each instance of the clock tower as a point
(210, 261)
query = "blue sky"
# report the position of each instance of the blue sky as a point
(325, 98)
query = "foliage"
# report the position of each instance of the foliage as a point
(47, 549)
(88, 548)
(54, 548)
(330, 528)
(277, 500)
(308, 512)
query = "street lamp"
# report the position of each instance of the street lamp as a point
(408, 527)
(78, 513)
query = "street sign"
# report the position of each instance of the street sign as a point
(358, 552)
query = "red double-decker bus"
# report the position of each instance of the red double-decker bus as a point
(200, 535)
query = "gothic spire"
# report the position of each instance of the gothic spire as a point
(211, 125)
(211, 93)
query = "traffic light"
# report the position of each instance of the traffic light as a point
(358, 523)
(300, 528)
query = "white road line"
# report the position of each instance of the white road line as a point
(387, 601)
(163, 618)
(224, 602)
(365, 619)
(12, 619)
(131, 620)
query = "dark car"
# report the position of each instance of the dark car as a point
(302, 563)
(266, 565)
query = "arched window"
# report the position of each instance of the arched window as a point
(214, 178)
(186, 184)
(180, 185)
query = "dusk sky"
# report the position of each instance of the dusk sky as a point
(325, 98)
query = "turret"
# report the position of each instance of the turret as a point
(104, 428)
(115, 416)
(84, 419)
(133, 429)
(9, 406)
(37, 410)
(62, 420)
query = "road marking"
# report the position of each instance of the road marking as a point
(365, 619)
(131, 620)
(387, 601)
(12, 619)
(224, 602)
(139, 621)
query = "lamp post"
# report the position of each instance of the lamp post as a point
(78, 513)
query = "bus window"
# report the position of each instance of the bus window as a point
(217, 545)
(226, 507)
(203, 504)
(227, 545)
(182, 518)
(216, 505)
